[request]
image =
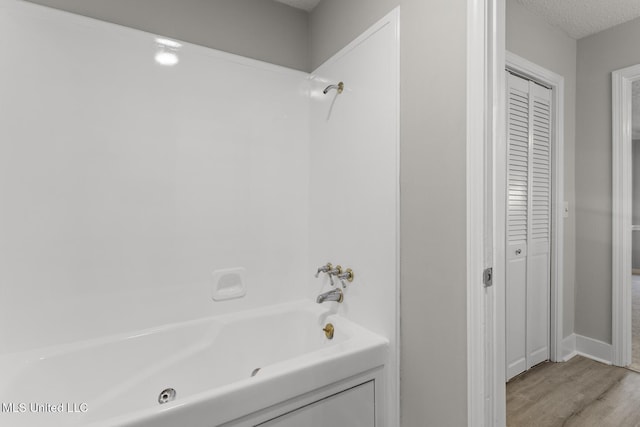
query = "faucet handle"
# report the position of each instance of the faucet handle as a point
(324, 269)
(347, 275)
(336, 271)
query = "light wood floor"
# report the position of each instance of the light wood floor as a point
(577, 393)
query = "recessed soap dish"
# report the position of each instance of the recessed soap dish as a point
(228, 284)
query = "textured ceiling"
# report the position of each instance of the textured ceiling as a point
(307, 5)
(580, 18)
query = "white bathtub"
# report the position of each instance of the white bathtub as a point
(116, 381)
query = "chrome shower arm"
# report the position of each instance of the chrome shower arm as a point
(339, 87)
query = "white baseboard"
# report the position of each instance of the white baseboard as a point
(575, 344)
(594, 349)
(569, 348)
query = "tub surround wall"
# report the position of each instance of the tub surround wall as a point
(125, 184)
(260, 29)
(354, 182)
(139, 181)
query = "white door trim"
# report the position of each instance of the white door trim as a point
(556, 83)
(621, 220)
(476, 134)
(485, 72)
(495, 351)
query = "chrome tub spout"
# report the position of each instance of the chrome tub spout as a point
(332, 295)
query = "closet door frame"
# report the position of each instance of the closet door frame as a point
(557, 351)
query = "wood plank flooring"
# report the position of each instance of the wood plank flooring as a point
(577, 393)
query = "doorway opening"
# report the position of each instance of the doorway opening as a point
(635, 229)
(623, 231)
(626, 293)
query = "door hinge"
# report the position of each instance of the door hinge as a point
(487, 277)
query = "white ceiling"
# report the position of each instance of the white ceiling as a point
(580, 18)
(307, 5)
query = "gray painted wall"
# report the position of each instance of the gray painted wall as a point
(530, 37)
(259, 29)
(636, 183)
(333, 24)
(635, 260)
(433, 378)
(598, 56)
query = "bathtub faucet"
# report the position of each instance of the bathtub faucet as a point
(333, 295)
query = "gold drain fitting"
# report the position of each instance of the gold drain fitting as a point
(329, 330)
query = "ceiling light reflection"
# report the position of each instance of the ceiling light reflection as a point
(167, 52)
(169, 43)
(166, 58)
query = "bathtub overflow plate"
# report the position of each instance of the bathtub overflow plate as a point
(329, 330)
(166, 395)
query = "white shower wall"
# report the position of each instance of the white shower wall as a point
(355, 184)
(124, 184)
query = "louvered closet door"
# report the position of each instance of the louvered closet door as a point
(528, 225)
